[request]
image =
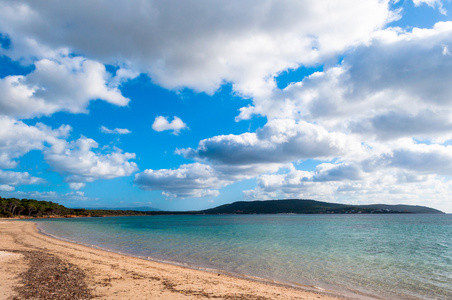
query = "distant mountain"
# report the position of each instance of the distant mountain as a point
(299, 206)
(132, 208)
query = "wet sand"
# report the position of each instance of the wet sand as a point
(36, 266)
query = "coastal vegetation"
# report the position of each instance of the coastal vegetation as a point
(13, 207)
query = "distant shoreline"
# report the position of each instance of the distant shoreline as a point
(29, 208)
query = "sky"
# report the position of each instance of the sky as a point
(187, 105)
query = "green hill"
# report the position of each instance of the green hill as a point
(297, 206)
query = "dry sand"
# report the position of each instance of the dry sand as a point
(35, 266)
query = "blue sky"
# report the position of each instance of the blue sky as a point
(190, 105)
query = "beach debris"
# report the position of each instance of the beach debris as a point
(49, 277)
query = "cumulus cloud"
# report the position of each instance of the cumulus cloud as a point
(398, 62)
(388, 186)
(279, 141)
(191, 180)
(75, 160)
(196, 44)
(18, 138)
(162, 124)
(379, 120)
(6, 188)
(246, 43)
(10, 179)
(404, 172)
(79, 163)
(399, 81)
(63, 83)
(114, 131)
(230, 158)
(299, 182)
(391, 125)
(198, 179)
(420, 158)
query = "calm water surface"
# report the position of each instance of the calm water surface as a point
(390, 256)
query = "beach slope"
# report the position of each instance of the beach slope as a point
(33, 265)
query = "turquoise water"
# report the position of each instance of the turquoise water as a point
(388, 256)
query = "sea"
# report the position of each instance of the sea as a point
(384, 256)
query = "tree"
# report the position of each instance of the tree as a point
(31, 208)
(12, 205)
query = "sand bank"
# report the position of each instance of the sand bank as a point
(35, 264)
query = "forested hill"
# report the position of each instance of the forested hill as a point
(297, 206)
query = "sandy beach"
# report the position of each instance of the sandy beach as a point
(36, 266)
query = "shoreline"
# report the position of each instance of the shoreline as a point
(218, 272)
(111, 275)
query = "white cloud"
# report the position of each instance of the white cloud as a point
(404, 172)
(390, 187)
(70, 197)
(62, 83)
(279, 141)
(162, 124)
(6, 188)
(114, 131)
(196, 44)
(75, 160)
(432, 3)
(79, 163)
(361, 115)
(18, 138)
(197, 179)
(231, 158)
(426, 124)
(399, 81)
(9, 179)
(321, 183)
(191, 180)
(76, 185)
(419, 158)
(405, 64)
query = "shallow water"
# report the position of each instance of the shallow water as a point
(392, 256)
